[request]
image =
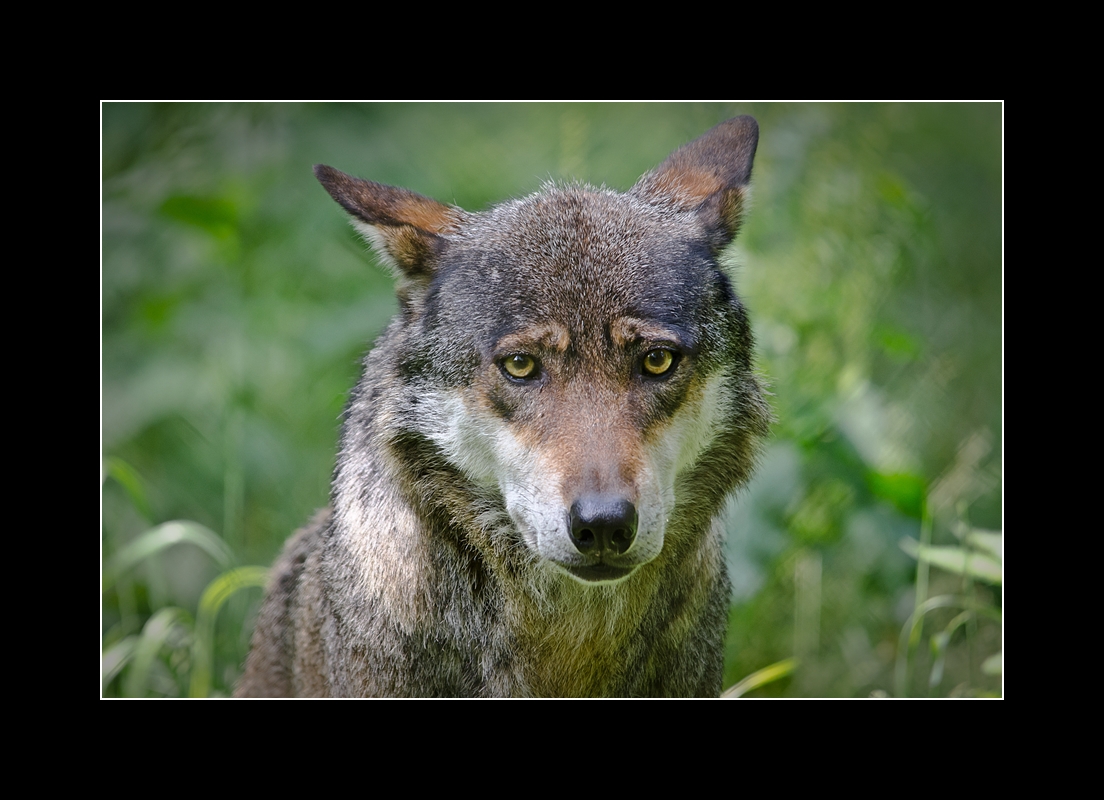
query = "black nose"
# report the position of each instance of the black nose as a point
(602, 525)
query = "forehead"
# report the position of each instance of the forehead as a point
(577, 255)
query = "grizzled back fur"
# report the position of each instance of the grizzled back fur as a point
(533, 465)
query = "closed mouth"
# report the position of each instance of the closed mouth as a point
(599, 573)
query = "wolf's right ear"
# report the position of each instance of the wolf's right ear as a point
(404, 227)
(709, 175)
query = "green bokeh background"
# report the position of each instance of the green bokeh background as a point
(236, 303)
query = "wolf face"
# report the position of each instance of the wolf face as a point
(579, 351)
(580, 374)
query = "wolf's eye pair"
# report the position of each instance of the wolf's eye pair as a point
(520, 366)
(658, 361)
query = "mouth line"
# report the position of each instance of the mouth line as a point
(598, 573)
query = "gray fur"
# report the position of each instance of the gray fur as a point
(459, 558)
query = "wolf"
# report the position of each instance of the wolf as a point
(533, 466)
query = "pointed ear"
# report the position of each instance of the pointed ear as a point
(709, 175)
(404, 227)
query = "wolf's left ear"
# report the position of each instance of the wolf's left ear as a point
(709, 175)
(405, 227)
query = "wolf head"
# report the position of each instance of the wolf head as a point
(578, 353)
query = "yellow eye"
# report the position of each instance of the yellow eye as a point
(657, 362)
(520, 366)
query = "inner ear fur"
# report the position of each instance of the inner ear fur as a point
(709, 175)
(405, 227)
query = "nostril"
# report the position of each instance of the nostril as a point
(602, 525)
(622, 539)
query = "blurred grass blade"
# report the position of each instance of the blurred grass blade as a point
(116, 657)
(910, 633)
(939, 643)
(164, 536)
(214, 596)
(127, 477)
(956, 559)
(761, 678)
(154, 636)
(992, 542)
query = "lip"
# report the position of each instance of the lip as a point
(599, 573)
